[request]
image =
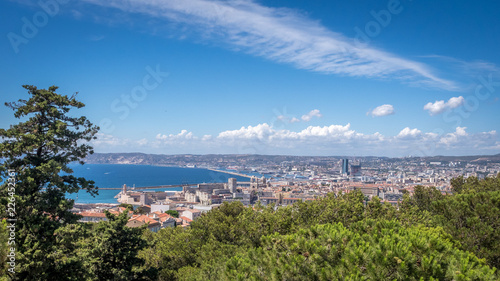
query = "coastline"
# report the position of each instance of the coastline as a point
(111, 177)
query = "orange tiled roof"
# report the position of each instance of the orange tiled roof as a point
(93, 214)
(144, 218)
(186, 219)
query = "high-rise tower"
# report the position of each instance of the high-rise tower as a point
(231, 184)
(345, 166)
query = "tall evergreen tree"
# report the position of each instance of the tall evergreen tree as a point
(111, 251)
(39, 149)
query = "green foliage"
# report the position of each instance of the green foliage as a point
(344, 208)
(107, 250)
(66, 252)
(220, 224)
(140, 210)
(173, 249)
(370, 250)
(4, 247)
(173, 213)
(375, 209)
(39, 149)
(473, 219)
(50, 244)
(457, 184)
(125, 205)
(424, 196)
(410, 214)
(473, 184)
(112, 251)
(211, 262)
(470, 216)
(332, 238)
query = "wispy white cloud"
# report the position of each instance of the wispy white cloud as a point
(142, 142)
(288, 119)
(96, 37)
(183, 135)
(109, 140)
(469, 68)
(305, 118)
(383, 110)
(282, 35)
(76, 14)
(313, 113)
(441, 106)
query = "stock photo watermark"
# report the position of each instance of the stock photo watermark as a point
(381, 20)
(31, 26)
(11, 221)
(483, 90)
(122, 106)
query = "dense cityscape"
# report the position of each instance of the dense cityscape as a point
(283, 180)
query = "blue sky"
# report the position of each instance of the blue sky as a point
(386, 78)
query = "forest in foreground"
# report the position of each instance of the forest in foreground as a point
(429, 236)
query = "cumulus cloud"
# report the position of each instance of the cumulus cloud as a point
(454, 137)
(260, 131)
(327, 131)
(281, 35)
(184, 134)
(441, 106)
(313, 113)
(383, 110)
(313, 140)
(408, 133)
(206, 137)
(265, 137)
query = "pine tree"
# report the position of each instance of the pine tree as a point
(111, 251)
(368, 250)
(39, 149)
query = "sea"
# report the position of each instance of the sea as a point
(116, 175)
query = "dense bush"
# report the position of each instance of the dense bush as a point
(369, 250)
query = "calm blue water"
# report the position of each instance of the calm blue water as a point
(114, 175)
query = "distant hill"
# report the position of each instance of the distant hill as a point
(474, 159)
(183, 159)
(255, 159)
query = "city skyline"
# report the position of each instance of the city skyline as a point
(384, 78)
